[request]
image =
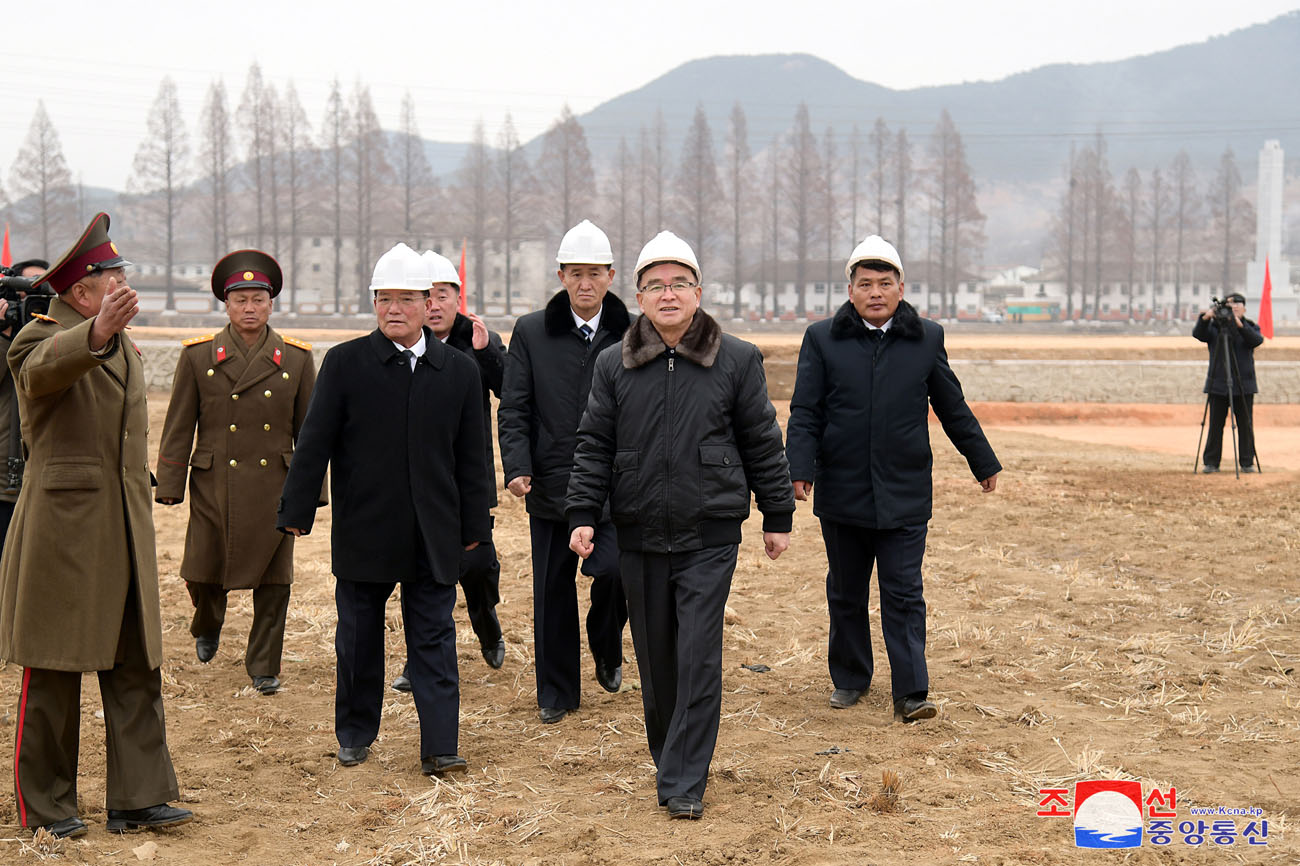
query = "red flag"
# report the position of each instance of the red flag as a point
(1266, 305)
(6, 258)
(461, 273)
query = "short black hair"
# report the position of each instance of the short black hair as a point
(874, 265)
(1236, 296)
(19, 267)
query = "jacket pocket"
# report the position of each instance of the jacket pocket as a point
(201, 460)
(623, 486)
(724, 491)
(73, 474)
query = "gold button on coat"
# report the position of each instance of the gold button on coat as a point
(263, 461)
(266, 427)
(211, 372)
(284, 375)
(266, 393)
(233, 428)
(234, 462)
(234, 396)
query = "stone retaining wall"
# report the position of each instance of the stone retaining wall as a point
(1021, 381)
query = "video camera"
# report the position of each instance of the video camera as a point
(1223, 311)
(23, 299)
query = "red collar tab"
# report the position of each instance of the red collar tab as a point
(278, 356)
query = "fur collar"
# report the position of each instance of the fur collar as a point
(848, 324)
(462, 332)
(559, 315)
(700, 344)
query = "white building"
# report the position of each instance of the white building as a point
(1268, 240)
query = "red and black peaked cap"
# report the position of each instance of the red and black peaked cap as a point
(246, 269)
(93, 253)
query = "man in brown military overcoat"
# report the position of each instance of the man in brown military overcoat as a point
(78, 579)
(246, 389)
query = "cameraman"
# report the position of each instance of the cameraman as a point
(1242, 337)
(10, 438)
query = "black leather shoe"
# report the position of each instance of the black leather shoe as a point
(842, 699)
(609, 676)
(267, 685)
(206, 647)
(403, 682)
(914, 709)
(685, 807)
(350, 756)
(439, 765)
(494, 654)
(551, 715)
(1207, 469)
(68, 828)
(152, 817)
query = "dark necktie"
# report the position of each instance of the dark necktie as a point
(407, 356)
(586, 331)
(875, 335)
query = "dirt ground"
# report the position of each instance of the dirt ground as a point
(1105, 614)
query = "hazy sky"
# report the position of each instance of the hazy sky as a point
(97, 66)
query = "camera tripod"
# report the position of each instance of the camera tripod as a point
(1222, 352)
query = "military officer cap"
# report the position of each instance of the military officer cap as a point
(246, 269)
(93, 253)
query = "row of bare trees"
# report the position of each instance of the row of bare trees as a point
(1146, 229)
(770, 214)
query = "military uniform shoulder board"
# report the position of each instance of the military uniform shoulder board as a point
(194, 341)
(45, 318)
(290, 341)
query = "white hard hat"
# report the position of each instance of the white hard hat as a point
(400, 268)
(585, 244)
(441, 270)
(667, 247)
(874, 249)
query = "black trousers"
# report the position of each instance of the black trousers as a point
(265, 635)
(675, 603)
(47, 737)
(897, 555)
(556, 649)
(1243, 409)
(430, 656)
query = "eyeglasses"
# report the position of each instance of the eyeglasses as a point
(660, 288)
(410, 300)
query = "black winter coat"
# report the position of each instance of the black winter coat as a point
(548, 377)
(1244, 341)
(677, 438)
(406, 450)
(859, 419)
(491, 362)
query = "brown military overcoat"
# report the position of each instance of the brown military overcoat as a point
(83, 526)
(247, 409)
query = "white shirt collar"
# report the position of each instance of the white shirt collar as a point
(593, 322)
(417, 350)
(884, 327)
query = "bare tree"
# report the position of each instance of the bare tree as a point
(659, 166)
(902, 187)
(1103, 200)
(369, 171)
(1233, 216)
(644, 185)
(215, 159)
(697, 190)
(856, 153)
(1132, 213)
(801, 185)
(830, 204)
(737, 183)
(414, 176)
(1187, 218)
(956, 212)
(517, 190)
(775, 152)
(1157, 211)
(1071, 177)
(620, 189)
(565, 173)
(40, 175)
(474, 203)
(294, 133)
(256, 123)
(160, 168)
(334, 137)
(879, 142)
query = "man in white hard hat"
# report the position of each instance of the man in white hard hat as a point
(480, 572)
(548, 376)
(859, 430)
(398, 418)
(679, 429)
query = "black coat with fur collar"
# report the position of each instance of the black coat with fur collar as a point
(859, 419)
(547, 377)
(677, 439)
